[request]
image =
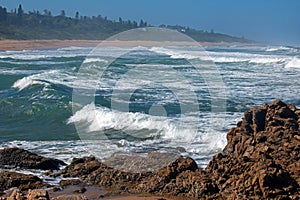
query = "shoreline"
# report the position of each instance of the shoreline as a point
(19, 45)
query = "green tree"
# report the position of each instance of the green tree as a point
(3, 14)
(77, 15)
(62, 13)
(20, 14)
(141, 23)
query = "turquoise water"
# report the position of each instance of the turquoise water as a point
(36, 90)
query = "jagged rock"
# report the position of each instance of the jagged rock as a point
(16, 195)
(22, 181)
(15, 157)
(196, 184)
(38, 195)
(261, 158)
(94, 172)
(157, 182)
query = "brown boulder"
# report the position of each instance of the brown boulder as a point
(156, 183)
(91, 171)
(261, 157)
(16, 195)
(37, 195)
(22, 181)
(20, 158)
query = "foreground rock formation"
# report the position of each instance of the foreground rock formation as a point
(23, 181)
(262, 157)
(260, 161)
(20, 158)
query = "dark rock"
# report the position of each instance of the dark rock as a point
(56, 189)
(22, 181)
(15, 157)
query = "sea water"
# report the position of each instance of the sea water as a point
(36, 90)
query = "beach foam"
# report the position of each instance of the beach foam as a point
(293, 63)
(100, 119)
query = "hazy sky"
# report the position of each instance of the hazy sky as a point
(276, 21)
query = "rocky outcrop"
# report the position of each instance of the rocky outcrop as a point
(22, 181)
(94, 172)
(38, 195)
(261, 159)
(20, 158)
(138, 164)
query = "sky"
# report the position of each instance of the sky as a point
(268, 21)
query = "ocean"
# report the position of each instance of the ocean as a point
(39, 113)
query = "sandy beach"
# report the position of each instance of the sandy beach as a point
(18, 45)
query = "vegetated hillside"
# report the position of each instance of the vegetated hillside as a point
(19, 25)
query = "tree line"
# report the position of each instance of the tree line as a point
(17, 24)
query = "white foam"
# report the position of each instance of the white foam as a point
(220, 57)
(92, 60)
(40, 78)
(100, 119)
(280, 48)
(25, 82)
(177, 53)
(228, 57)
(43, 54)
(293, 63)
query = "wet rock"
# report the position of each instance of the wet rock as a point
(22, 181)
(20, 158)
(38, 195)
